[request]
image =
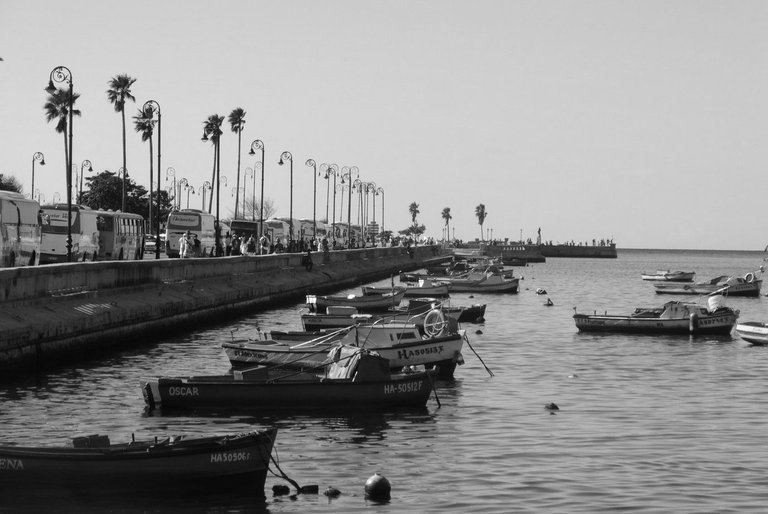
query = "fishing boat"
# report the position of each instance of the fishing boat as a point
(92, 463)
(753, 332)
(402, 344)
(424, 287)
(356, 379)
(673, 317)
(481, 282)
(669, 276)
(749, 285)
(363, 303)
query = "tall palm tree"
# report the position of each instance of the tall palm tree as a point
(119, 91)
(447, 217)
(481, 215)
(144, 125)
(57, 108)
(212, 132)
(237, 121)
(414, 210)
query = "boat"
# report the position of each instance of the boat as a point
(753, 332)
(476, 282)
(356, 379)
(674, 317)
(749, 285)
(363, 303)
(402, 344)
(423, 287)
(670, 276)
(93, 464)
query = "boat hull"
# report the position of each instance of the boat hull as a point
(750, 289)
(670, 276)
(363, 303)
(753, 332)
(221, 461)
(716, 324)
(411, 390)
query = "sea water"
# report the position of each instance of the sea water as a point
(645, 423)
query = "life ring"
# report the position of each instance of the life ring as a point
(435, 323)
(749, 277)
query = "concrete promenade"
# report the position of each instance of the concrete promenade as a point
(58, 313)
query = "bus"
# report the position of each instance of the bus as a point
(245, 228)
(85, 233)
(307, 229)
(121, 235)
(19, 230)
(199, 223)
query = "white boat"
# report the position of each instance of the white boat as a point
(670, 276)
(476, 282)
(363, 303)
(424, 287)
(753, 332)
(749, 285)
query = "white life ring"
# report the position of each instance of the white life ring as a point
(749, 277)
(435, 323)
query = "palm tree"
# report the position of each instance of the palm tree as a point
(144, 125)
(236, 121)
(212, 131)
(119, 91)
(447, 217)
(57, 108)
(481, 215)
(414, 210)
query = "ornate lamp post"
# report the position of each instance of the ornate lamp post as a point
(311, 162)
(82, 167)
(62, 74)
(189, 189)
(202, 189)
(170, 172)
(258, 144)
(37, 156)
(183, 183)
(380, 190)
(154, 107)
(248, 172)
(286, 156)
(349, 171)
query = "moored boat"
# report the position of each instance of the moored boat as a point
(670, 276)
(363, 303)
(355, 380)
(482, 283)
(754, 332)
(93, 464)
(424, 287)
(673, 317)
(749, 285)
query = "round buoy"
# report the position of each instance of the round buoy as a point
(377, 488)
(551, 406)
(280, 490)
(478, 331)
(332, 492)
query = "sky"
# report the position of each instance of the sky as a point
(643, 122)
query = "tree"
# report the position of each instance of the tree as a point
(144, 125)
(253, 206)
(414, 210)
(119, 91)
(237, 121)
(105, 192)
(57, 108)
(213, 132)
(447, 217)
(9, 184)
(481, 215)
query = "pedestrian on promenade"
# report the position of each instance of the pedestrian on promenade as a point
(235, 245)
(250, 246)
(307, 261)
(186, 247)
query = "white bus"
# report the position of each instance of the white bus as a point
(307, 229)
(198, 223)
(121, 235)
(19, 230)
(85, 233)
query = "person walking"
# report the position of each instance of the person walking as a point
(186, 246)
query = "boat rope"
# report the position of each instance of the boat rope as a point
(282, 473)
(466, 340)
(434, 388)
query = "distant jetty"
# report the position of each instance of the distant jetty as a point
(519, 253)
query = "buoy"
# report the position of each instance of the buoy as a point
(549, 303)
(332, 492)
(377, 488)
(280, 490)
(541, 291)
(551, 406)
(478, 331)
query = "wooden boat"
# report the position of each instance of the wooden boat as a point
(673, 317)
(476, 282)
(93, 464)
(749, 285)
(363, 303)
(400, 343)
(424, 287)
(753, 332)
(356, 380)
(670, 276)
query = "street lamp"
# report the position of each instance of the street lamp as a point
(258, 144)
(286, 156)
(63, 74)
(248, 172)
(205, 187)
(349, 172)
(37, 156)
(189, 189)
(331, 169)
(183, 183)
(311, 162)
(154, 107)
(171, 172)
(82, 167)
(380, 190)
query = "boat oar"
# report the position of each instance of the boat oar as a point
(466, 340)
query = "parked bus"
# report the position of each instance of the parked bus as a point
(307, 229)
(245, 228)
(19, 230)
(85, 233)
(121, 235)
(198, 223)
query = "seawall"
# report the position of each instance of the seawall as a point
(52, 314)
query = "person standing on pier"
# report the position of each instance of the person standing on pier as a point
(186, 247)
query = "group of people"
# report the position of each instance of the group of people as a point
(189, 245)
